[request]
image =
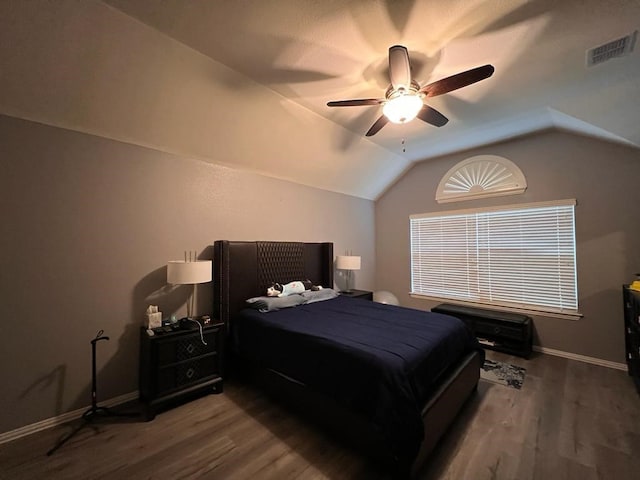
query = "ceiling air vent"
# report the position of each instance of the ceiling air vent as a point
(616, 48)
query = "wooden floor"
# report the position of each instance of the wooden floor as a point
(571, 420)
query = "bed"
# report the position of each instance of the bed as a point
(388, 380)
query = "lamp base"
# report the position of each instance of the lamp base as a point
(349, 282)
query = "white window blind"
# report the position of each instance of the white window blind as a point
(518, 256)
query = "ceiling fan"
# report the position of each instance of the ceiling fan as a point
(404, 98)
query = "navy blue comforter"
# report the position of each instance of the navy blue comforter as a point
(381, 361)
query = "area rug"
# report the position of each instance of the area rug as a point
(503, 374)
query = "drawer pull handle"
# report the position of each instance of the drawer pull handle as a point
(190, 373)
(190, 348)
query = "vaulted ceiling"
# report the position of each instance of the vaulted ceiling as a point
(278, 58)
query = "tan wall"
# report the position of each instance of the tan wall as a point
(85, 66)
(603, 177)
(88, 225)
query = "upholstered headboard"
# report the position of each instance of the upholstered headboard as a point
(242, 270)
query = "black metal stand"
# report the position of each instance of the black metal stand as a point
(94, 411)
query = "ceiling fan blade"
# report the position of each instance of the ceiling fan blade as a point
(356, 103)
(399, 67)
(375, 128)
(457, 81)
(432, 116)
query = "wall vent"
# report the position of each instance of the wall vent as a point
(614, 49)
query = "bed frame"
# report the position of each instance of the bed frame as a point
(245, 269)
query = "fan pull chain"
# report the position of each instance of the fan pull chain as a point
(403, 146)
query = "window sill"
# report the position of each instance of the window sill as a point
(539, 313)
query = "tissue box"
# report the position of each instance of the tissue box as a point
(154, 317)
(154, 320)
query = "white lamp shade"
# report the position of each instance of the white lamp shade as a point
(348, 262)
(180, 272)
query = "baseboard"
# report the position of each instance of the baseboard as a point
(65, 417)
(581, 358)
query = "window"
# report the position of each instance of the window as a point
(517, 256)
(481, 176)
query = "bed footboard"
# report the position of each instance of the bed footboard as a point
(445, 405)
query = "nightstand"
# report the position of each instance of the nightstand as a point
(364, 294)
(177, 365)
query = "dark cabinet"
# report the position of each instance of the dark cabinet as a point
(632, 332)
(179, 364)
(364, 294)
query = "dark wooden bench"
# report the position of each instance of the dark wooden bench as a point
(503, 331)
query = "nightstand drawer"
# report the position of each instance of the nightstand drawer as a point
(182, 375)
(187, 347)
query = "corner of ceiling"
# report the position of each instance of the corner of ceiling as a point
(530, 122)
(571, 124)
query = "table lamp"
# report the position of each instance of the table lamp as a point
(349, 263)
(189, 272)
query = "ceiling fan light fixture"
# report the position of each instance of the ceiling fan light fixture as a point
(402, 108)
(403, 100)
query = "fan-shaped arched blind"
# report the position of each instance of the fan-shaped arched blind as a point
(519, 256)
(481, 176)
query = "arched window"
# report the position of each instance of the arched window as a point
(481, 176)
